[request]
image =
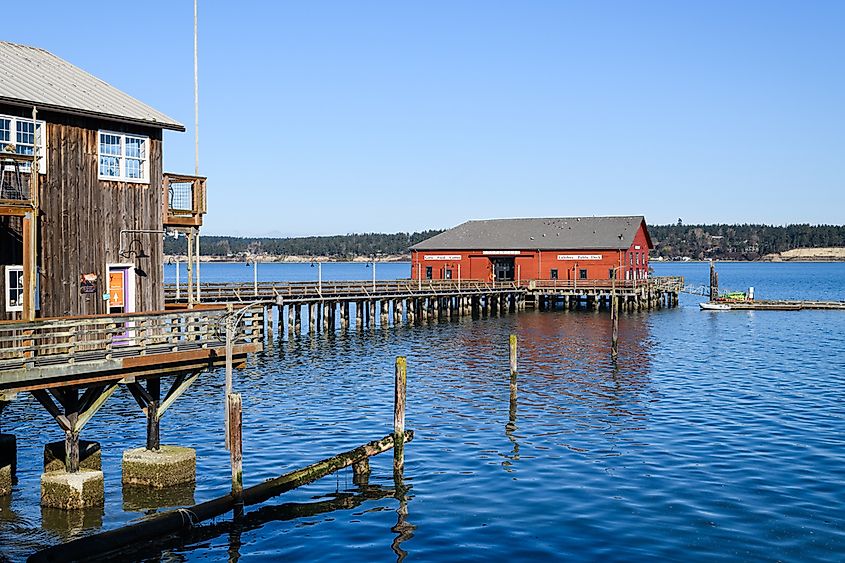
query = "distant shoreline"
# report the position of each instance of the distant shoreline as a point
(400, 259)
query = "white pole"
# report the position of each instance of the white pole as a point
(255, 276)
(196, 135)
(196, 101)
(518, 274)
(459, 277)
(198, 265)
(419, 276)
(374, 274)
(178, 288)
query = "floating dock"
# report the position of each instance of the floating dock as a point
(779, 305)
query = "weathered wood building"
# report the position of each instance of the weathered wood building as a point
(566, 249)
(98, 215)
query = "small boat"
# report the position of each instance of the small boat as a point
(710, 306)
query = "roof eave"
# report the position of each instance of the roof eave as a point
(173, 125)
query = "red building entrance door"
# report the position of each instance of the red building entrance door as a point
(503, 269)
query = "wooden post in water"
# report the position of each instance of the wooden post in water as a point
(614, 318)
(513, 352)
(236, 450)
(714, 282)
(399, 393)
(230, 337)
(290, 320)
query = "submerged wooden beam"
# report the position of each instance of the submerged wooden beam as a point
(165, 523)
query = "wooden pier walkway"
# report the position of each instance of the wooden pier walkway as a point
(325, 304)
(47, 353)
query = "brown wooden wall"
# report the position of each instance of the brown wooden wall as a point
(81, 219)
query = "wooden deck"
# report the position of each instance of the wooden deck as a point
(337, 291)
(784, 305)
(84, 350)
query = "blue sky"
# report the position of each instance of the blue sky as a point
(325, 117)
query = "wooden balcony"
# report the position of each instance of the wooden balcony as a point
(94, 349)
(184, 200)
(15, 198)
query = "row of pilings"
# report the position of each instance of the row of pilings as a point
(645, 300)
(329, 314)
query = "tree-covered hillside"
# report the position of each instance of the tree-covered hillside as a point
(740, 242)
(336, 246)
(735, 242)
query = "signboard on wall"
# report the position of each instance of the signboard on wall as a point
(116, 288)
(88, 284)
(579, 256)
(500, 252)
(442, 257)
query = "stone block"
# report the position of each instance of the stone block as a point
(89, 456)
(168, 466)
(72, 491)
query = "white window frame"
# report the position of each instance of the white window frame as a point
(19, 308)
(121, 177)
(9, 307)
(40, 140)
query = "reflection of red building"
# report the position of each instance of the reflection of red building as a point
(564, 248)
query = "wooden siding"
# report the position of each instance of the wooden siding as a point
(82, 216)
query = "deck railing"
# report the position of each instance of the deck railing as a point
(269, 291)
(89, 339)
(14, 179)
(286, 291)
(184, 200)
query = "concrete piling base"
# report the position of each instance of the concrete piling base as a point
(8, 462)
(89, 456)
(168, 466)
(72, 491)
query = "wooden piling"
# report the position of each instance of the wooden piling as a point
(399, 394)
(291, 320)
(614, 318)
(236, 448)
(513, 352)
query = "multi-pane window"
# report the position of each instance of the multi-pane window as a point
(123, 157)
(14, 288)
(21, 135)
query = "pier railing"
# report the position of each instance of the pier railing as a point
(215, 292)
(84, 342)
(14, 179)
(288, 291)
(184, 200)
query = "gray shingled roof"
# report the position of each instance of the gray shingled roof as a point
(575, 233)
(31, 76)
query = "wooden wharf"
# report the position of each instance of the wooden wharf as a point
(325, 305)
(73, 365)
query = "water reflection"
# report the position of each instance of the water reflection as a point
(510, 427)
(68, 524)
(403, 529)
(149, 500)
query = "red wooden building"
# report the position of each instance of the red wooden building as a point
(565, 248)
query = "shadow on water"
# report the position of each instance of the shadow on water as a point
(168, 548)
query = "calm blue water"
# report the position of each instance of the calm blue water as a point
(719, 436)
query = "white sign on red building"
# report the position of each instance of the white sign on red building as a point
(579, 256)
(445, 257)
